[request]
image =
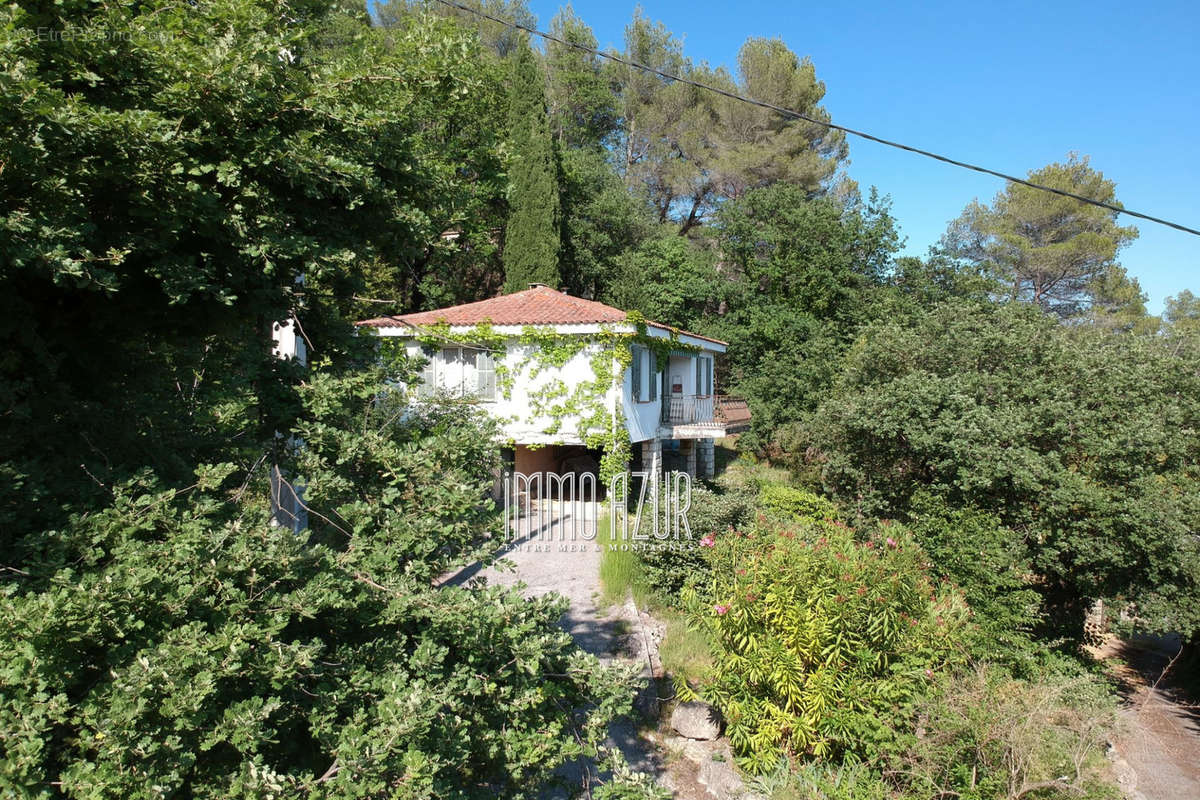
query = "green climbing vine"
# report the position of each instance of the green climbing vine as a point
(600, 422)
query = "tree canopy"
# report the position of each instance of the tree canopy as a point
(533, 234)
(1047, 249)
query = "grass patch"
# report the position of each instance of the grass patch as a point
(620, 569)
(748, 472)
(725, 452)
(684, 652)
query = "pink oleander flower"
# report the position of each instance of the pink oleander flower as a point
(891, 542)
(721, 610)
(708, 541)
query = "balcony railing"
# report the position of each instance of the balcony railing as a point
(688, 409)
(717, 411)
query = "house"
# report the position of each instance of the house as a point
(575, 385)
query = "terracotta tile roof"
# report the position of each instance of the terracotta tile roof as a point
(540, 305)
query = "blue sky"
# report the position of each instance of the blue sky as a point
(1011, 86)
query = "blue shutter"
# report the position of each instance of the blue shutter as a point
(637, 374)
(699, 376)
(653, 375)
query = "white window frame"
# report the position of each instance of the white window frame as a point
(449, 370)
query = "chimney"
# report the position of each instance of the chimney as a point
(538, 286)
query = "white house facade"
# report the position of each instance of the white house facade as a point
(560, 374)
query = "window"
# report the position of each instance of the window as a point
(485, 373)
(704, 376)
(460, 371)
(428, 373)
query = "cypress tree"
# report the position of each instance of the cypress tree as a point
(532, 234)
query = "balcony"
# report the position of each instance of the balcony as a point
(703, 416)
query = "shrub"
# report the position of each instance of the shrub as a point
(990, 564)
(668, 569)
(1084, 442)
(982, 734)
(175, 644)
(790, 503)
(816, 638)
(821, 781)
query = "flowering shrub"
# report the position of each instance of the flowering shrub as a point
(816, 637)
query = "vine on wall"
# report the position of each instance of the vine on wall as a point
(600, 424)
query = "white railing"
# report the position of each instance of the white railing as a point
(690, 409)
(730, 413)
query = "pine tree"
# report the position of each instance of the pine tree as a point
(533, 233)
(1047, 249)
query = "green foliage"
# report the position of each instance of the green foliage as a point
(1047, 249)
(499, 39)
(990, 564)
(173, 641)
(163, 191)
(367, 454)
(790, 504)
(1119, 304)
(582, 103)
(666, 570)
(799, 270)
(1082, 442)
(603, 223)
(532, 236)
(625, 784)
(823, 781)
(985, 736)
(688, 151)
(819, 639)
(980, 735)
(668, 279)
(1181, 322)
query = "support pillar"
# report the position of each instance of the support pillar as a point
(706, 458)
(652, 457)
(689, 449)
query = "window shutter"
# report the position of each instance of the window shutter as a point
(428, 373)
(699, 375)
(485, 374)
(653, 375)
(637, 373)
(708, 368)
(451, 371)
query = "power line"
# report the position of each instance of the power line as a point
(787, 112)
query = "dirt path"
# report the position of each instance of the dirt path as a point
(551, 554)
(1158, 745)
